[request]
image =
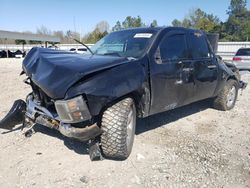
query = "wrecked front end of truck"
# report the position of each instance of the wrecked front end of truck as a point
(66, 116)
(46, 104)
(54, 101)
(70, 92)
(89, 97)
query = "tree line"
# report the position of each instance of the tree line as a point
(235, 28)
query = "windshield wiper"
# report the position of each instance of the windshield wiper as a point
(84, 46)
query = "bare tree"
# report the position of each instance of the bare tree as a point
(102, 26)
(42, 30)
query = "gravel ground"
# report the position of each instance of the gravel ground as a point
(194, 146)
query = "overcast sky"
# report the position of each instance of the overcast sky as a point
(83, 15)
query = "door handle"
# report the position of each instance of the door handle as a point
(211, 66)
(188, 69)
(179, 64)
(179, 82)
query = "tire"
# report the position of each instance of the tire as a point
(118, 126)
(227, 97)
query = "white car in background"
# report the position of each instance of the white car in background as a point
(242, 59)
(53, 47)
(78, 50)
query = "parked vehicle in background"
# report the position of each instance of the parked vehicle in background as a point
(79, 50)
(53, 47)
(19, 54)
(73, 50)
(3, 54)
(10, 54)
(242, 59)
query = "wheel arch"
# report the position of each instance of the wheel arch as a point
(233, 77)
(141, 102)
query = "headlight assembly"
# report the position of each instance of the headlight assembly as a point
(73, 110)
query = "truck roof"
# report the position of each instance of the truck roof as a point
(155, 29)
(213, 38)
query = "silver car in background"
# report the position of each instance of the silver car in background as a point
(242, 59)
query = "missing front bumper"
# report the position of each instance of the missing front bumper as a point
(32, 113)
(15, 116)
(82, 134)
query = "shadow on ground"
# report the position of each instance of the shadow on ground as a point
(72, 144)
(158, 120)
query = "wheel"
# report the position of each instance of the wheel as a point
(118, 125)
(227, 97)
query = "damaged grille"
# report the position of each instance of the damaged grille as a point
(41, 97)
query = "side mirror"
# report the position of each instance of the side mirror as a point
(158, 56)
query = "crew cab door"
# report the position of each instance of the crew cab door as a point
(204, 64)
(171, 73)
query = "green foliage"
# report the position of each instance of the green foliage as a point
(236, 7)
(132, 22)
(129, 22)
(99, 32)
(117, 26)
(198, 19)
(34, 42)
(177, 23)
(154, 23)
(94, 36)
(237, 26)
(20, 42)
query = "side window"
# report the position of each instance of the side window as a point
(198, 45)
(173, 47)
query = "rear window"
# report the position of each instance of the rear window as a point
(243, 52)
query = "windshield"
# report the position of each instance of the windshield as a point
(127, 43)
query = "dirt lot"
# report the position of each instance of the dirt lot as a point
(195, 146)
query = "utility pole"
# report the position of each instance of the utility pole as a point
(7, 53)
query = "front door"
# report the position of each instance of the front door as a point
(171, 73)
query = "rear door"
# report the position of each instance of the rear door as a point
(204, 64)
(171, 76)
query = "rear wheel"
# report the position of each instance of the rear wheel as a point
(118, 125)
(227, 97)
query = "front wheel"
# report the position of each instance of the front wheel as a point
(118, 125)
(227, 97)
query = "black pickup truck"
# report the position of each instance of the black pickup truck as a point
(131, 73)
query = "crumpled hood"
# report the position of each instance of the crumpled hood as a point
(55, 71)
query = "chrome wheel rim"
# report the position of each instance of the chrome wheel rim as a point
(231, 96)
(131, 128)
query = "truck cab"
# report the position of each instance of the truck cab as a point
(183, 69)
